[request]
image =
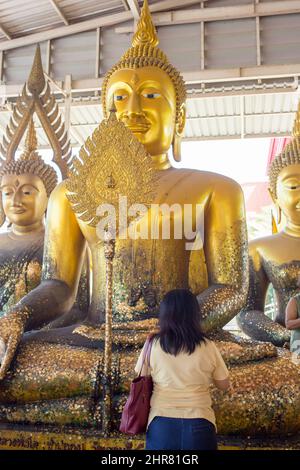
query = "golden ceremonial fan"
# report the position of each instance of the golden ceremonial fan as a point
(112, 163)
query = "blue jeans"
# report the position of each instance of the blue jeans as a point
(181, 434)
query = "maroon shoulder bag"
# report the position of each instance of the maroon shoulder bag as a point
(136, 410)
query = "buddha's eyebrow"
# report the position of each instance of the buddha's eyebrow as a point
(150, 83)
(29, 184)
(117, 85)
(288, 177)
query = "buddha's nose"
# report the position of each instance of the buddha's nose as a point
(134, 105)
(17, 199)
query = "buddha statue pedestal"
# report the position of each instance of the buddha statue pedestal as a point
(50, 438)
(258, 403)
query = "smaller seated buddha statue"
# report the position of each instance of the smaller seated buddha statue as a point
(276, 259)
(26, 185)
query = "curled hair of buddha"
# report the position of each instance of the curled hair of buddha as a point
(290, 155)
(30, 162)
(144, 53)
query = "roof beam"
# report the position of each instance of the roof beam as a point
(169, 4)
(134, 8)
(254, 10)
(5, 32)
(87, 25)
(125, 5)
(59, 11)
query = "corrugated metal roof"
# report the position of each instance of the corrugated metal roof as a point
(22, 17)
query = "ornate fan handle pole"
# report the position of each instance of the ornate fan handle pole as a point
(109, 252)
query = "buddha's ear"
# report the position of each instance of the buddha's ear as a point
(179, 128)
(181, 120)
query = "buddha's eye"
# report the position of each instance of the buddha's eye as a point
(120, 97)
(291, 184)
(7, 192)
(28, 190)
(151, 96)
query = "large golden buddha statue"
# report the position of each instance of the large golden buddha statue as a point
(276, 259)
(149, 97)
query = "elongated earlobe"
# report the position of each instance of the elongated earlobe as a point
(278, 214)
(2, 213)
(176, 147)
(179, 129)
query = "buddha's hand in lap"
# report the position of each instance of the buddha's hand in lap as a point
(11, 331)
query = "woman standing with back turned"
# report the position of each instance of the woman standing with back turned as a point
(183, 363)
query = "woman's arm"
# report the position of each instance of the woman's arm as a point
(292, 322)
(222, 384)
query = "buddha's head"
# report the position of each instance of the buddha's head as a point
(285, 178)
(148, 92)
(26, 185)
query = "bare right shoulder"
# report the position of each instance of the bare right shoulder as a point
(58, 200)
(264, 247)
(60, 191)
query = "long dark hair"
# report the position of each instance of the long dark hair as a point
(179, 322)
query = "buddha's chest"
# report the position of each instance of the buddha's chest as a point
(153, 254)
(143, 271)
(20, 270)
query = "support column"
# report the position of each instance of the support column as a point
(202, 43)
(242, 105)
(68, 102)
(258, 43)
(98, 52)
(48, 58)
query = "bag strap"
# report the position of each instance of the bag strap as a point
(147, 352)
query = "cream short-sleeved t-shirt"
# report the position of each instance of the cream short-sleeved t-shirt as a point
(181, 383)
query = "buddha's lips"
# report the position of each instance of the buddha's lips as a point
(137, 127)
(18, 210)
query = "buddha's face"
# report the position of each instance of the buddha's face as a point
(24, 199)
(145, 100)
(288, 192)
